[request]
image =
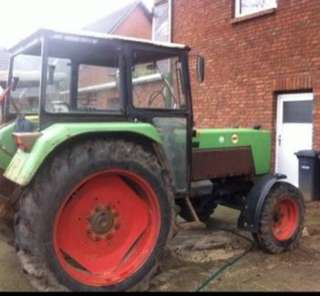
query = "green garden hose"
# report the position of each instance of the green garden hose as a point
(218, 273)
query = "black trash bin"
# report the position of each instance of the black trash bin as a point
(309, 178)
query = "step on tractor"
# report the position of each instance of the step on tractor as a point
(100, 158)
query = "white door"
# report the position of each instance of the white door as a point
(294, 132)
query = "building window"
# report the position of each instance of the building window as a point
(162, 21)
(247, 7)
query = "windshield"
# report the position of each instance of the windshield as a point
(158, 84)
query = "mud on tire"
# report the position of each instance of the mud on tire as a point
(282, 220)
(40, 203)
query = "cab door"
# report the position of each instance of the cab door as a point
(160, 95)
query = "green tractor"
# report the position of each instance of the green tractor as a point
(99, 155)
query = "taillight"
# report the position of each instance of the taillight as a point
(25, 141)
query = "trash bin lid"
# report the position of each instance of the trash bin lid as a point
(307, 153)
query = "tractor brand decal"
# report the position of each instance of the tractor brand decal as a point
(235, 139)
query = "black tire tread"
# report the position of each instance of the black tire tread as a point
(264, 237)
(33, 198)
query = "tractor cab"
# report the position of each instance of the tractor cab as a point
(94, 77)
(86, 78)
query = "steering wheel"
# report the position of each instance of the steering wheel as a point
(155, 95)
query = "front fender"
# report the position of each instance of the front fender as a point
(24, 165)
(256, 199)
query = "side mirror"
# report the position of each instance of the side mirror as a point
(14, 83)
(200, 69)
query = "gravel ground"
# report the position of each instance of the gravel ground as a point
(293, 271)
(196, 254)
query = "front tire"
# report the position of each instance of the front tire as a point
(282, 219)
(96, 218)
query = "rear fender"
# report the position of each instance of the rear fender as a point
(256, 199)
(25, 165)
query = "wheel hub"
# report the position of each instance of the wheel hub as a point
(285, 219)
(103, 221)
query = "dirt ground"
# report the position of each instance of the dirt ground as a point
(197, 254)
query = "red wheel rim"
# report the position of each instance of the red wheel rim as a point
(285, 219)
(107, 228)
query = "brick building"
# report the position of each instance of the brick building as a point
(132, 20)
(98, 85)
(262, 68)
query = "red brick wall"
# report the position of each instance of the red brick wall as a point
(248, 62)
(90, 76)
(137, 25)
(93, 75)
(109, 99)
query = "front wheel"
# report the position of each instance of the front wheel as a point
(282, 219)
(97, 218)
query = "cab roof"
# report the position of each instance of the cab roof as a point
(88, 37)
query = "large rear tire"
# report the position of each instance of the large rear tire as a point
(96, 218)
(282, 220)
